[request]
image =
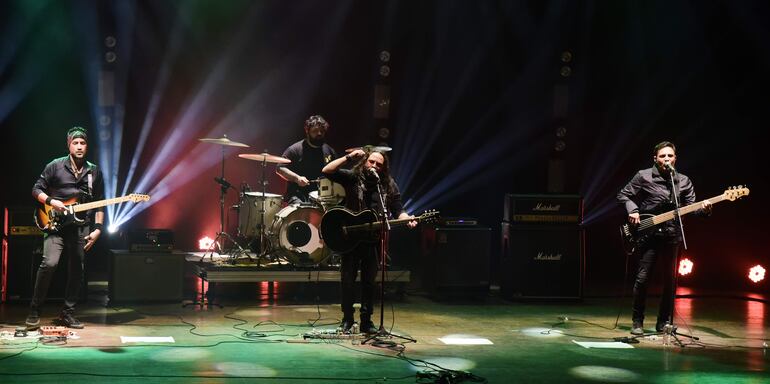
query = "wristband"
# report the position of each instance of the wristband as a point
(98, 226)
(48, 200)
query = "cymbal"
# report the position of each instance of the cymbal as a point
(224, 141)
(264, 157)
(373, 148)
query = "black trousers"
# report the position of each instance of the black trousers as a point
(70, 239)
(363, 257)
(655, 249)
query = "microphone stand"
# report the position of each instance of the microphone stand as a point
(384, 232)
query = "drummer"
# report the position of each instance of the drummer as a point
(308, 156)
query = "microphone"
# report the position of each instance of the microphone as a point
(374, 172)
(221, 181)
(669, 166)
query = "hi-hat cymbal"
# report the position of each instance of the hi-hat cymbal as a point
(224, 141)
(371, 148)
(265, 157)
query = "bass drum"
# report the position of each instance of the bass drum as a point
(295, 235)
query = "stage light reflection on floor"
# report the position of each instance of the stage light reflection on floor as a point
(174, 355)
(601, 374)
(458, 339)
(245, 369)
(542, 332)
(252, 312)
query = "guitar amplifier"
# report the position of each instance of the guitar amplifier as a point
(151, 240)
(542, 209)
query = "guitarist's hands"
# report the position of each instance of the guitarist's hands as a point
(707, 207)
(58, 205)
(633, 218)
(410, 224)
(91, 238)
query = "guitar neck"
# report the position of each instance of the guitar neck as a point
(378, 224)
(99, 204)
(670, 215)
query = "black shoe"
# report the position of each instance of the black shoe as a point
(70, 322)
(368, 327)
(346, 325)
(659, 327)
(637, 329)
(33, 320)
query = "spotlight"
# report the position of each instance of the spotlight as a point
(566, 56)
(383, 133)
(384, 71)
(561, 132)
(384, 56)
(110, 41)
(560, 146)
(565, 71)
(685, 267)
(110, 57)
(757, 273)
(112, 228)
(204, 244)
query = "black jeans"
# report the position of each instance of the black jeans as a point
(364, 256)
(656, 248)
(70, 239)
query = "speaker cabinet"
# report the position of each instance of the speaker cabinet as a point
(140, 276)
(456, 260)
(22, 253)
(542, 262)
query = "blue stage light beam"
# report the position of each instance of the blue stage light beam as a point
(159, 183)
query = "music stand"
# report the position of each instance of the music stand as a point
(384, 232)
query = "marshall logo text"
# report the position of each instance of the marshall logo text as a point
(548, 256)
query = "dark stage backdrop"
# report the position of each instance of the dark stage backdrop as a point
(478, 92)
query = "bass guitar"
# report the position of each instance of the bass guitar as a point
(342, 229)
(50, 220)
(632, 235)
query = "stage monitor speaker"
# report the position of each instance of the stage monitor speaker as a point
(542, 262)
(145, 276)
(456, 260)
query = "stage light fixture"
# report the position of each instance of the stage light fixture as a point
(384, 56)
(110, 41)
(110, 57)
(757, 273)
(685, 267)
(112, 228)
(565, 71)
(384, 71)
(566, 56)
(205, 243)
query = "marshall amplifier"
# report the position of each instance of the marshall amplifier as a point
(542, 209)
(151, 240)
(542, 262)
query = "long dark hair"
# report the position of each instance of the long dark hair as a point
(385, 178)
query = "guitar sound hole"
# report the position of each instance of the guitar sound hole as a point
(298, 234)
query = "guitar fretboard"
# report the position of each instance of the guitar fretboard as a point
(100, 203)
(670, 215)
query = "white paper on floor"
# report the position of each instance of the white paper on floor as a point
(146, 339)
(603, 344)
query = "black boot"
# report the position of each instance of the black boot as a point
(367, 326)
(70, 321)
(33, 319)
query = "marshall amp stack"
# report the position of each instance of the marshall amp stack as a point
(542, 246)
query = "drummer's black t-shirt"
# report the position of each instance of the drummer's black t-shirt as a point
(307, 161)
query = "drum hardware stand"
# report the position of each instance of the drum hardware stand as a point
(263, 249)
(669, 329)
(224, 185)
(384, 233)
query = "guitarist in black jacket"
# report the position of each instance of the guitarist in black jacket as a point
(62, 179)
(361, 193)
(650, 192)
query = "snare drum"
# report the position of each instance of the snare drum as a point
(295, 235)
(249, 217)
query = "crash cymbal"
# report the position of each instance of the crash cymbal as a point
(371, 148)
(265, 157)
(224, 141)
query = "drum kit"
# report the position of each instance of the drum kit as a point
(282, 233)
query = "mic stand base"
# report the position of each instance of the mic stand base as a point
(383, 333)
(669, 331)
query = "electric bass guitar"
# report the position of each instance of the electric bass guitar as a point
(50, 220)
(342, 229)
(632, 235)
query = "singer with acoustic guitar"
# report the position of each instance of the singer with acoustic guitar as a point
(361, 182)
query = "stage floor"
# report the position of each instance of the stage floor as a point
(264, 340)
